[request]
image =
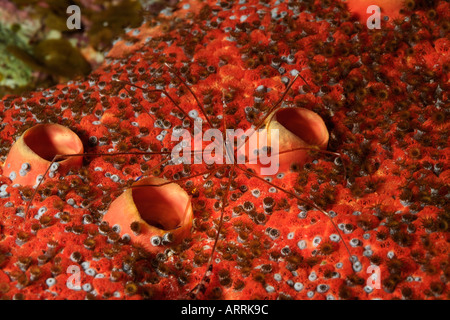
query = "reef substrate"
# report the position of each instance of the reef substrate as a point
(383, 95)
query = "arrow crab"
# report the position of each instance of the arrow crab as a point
(224, 219)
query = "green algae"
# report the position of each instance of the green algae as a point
(13, 73)
(55, 57)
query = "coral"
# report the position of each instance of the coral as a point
(376, 200)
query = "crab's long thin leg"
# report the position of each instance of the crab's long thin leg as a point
(278, 103)
(302, 200)
(194, 292)
(39, 183)
(210, 172)
(271, 110)
(202, 109)
(160, 91)
(60, 156)
(216, 240)
(226, 143)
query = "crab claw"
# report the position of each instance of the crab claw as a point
(155, 213)
(32, 154)
(287, 129)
